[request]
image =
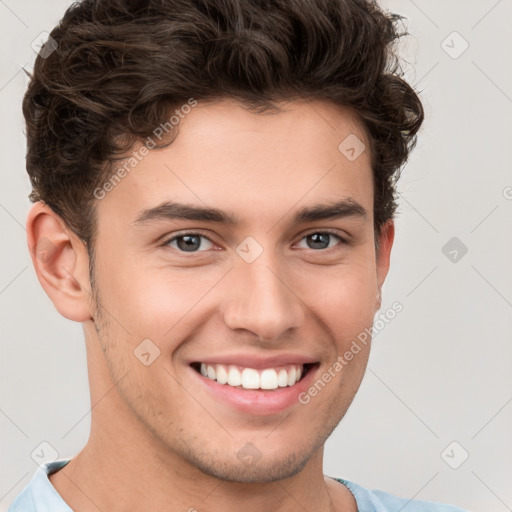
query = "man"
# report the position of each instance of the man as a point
(213, 187)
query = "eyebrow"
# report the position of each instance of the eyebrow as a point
(172, 211)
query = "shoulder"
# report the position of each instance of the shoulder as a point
(39, 495)
(380, 501)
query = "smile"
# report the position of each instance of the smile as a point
(255, 385)
(251, 378)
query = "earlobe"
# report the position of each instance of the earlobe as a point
(61, 262)
(378, 299)
(386, 238)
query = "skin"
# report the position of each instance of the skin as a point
(168, 443)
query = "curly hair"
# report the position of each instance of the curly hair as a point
(121, 66)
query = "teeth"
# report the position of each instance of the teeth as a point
(282, 378)
(222, 374)
(210, 371)
(249, 378)
(268, 379)
(292, 376)
(234, 376)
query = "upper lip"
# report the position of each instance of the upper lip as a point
(256, 362)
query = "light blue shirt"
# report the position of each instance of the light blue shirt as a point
(39, 495)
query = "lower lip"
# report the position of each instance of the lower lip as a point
(257, 401)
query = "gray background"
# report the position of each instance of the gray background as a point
(440, 372)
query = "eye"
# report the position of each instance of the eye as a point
(189, 242)
(321, 240)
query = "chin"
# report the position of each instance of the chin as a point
(261, 471)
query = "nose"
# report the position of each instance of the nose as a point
(261, 300)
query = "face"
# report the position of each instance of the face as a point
(214, 314)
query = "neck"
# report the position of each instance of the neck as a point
(144, 479)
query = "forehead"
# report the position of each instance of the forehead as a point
(247, 163)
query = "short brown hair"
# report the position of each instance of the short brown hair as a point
(121, 66)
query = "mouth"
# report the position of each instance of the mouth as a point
(262, 379)
(254, 385)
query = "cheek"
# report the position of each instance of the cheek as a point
(152, 302)
(344, 296)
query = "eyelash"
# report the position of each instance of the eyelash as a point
(202, 234)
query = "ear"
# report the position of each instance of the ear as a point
(383, 254)
(61, 262)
